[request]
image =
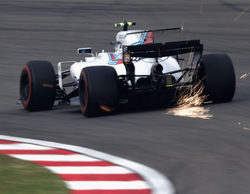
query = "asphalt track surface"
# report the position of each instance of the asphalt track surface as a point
(198, 156)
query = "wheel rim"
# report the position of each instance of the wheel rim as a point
(25, 87)
(25, 90)
(83, 93)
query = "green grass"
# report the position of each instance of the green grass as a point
(22, 177)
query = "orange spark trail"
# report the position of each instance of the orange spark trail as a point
(244, 76)
(188, 105)
(241, 13)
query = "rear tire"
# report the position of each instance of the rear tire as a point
(216, 71)
(38, 86)
(98, 90)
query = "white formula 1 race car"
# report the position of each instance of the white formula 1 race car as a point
(139, 71)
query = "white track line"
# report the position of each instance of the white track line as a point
(54, 157)
(109, 185)
(89, 170)
(158, 182)
(22, 146)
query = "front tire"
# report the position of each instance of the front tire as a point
(98, 90)
(38, 86)
(216, 72)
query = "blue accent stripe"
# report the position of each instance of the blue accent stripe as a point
(143, 36)
(111, 61)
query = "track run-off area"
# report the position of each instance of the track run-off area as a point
(197, 155)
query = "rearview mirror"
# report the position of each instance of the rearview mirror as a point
(84, 50)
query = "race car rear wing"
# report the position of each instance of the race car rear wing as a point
(162, 50)
(132, 53)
